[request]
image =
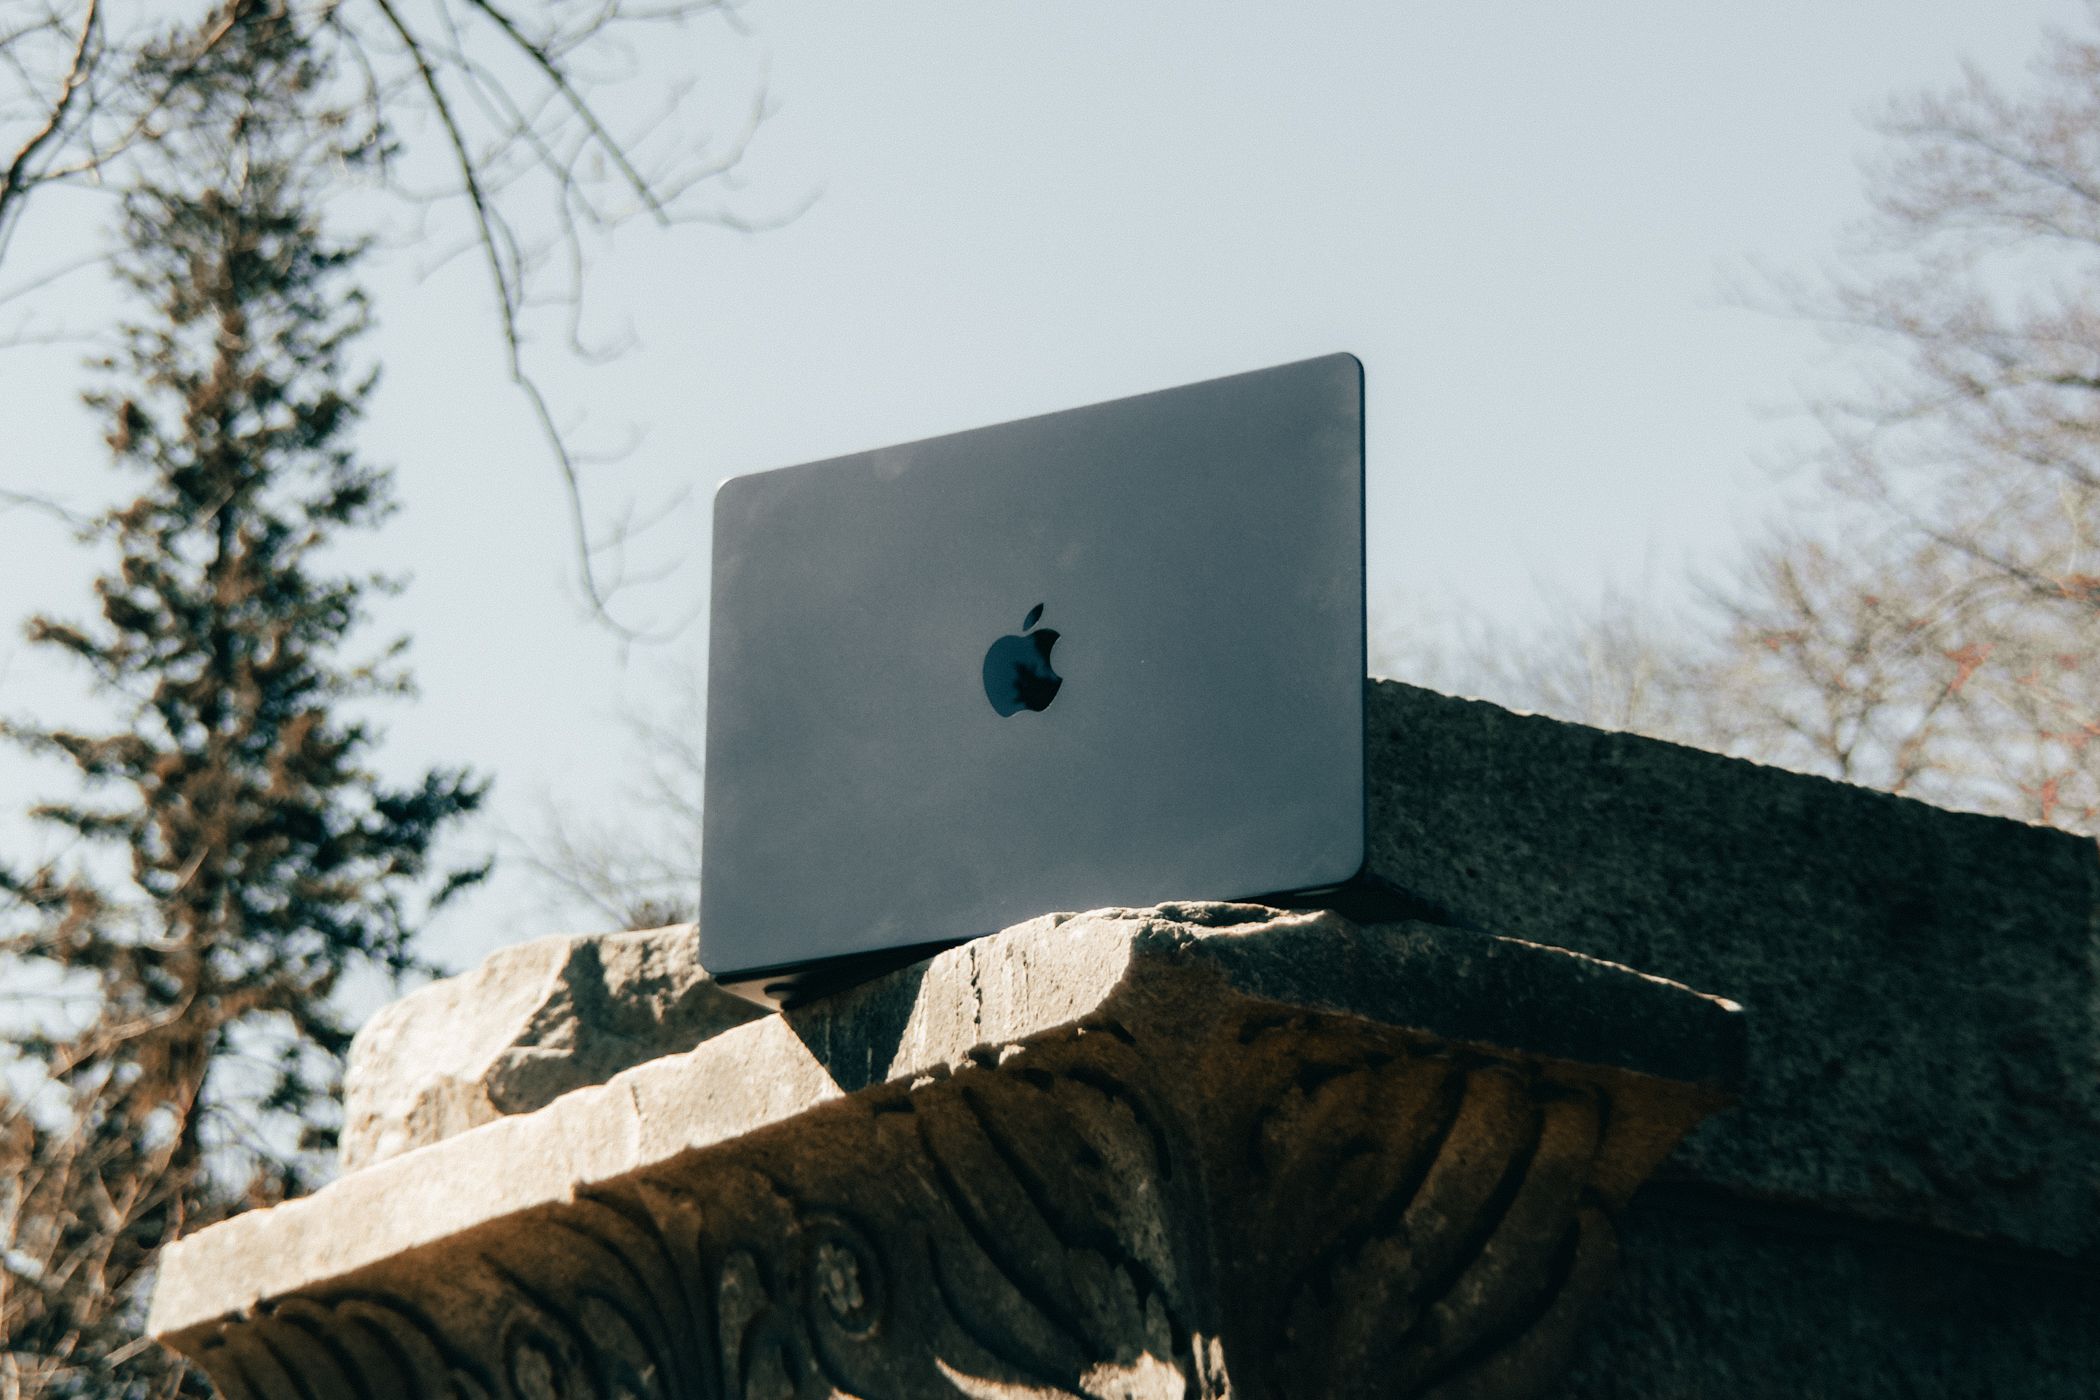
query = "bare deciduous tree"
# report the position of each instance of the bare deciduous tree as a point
(1612, 663)
(643, 870)
(1929, 623)
(524, 132)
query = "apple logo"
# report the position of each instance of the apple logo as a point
(1017, 674)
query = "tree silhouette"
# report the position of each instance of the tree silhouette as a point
(230, 852)
(1929, 621)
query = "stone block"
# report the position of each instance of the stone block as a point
(529, 1024)
(1923, 987)
(1719, 1296)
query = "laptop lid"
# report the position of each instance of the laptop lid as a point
(1108, 656)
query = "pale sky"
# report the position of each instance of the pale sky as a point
(1522, 218)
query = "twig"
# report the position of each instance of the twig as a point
(17, 178)
(493, 236)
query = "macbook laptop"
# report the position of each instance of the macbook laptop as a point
(1107, 656)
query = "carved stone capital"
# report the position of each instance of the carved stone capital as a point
(1199, 1150)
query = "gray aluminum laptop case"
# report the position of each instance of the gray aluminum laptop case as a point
(1197, 554)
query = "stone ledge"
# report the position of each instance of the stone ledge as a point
(1171, 1042)
(1465, 987)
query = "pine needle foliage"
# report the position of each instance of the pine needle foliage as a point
(230, 854)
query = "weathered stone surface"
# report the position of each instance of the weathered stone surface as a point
(1131, 1153)
(526, 1026)
(1923, 987)
(1718, 1296)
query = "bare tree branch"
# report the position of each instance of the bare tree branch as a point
(523, 103)
(16, 179)
(42, 505)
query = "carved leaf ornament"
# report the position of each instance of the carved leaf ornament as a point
(1356, 1214)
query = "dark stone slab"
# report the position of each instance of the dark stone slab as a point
(1923, 987)
(1716, 1298)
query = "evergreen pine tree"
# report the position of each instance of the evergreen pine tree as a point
(230, 854)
